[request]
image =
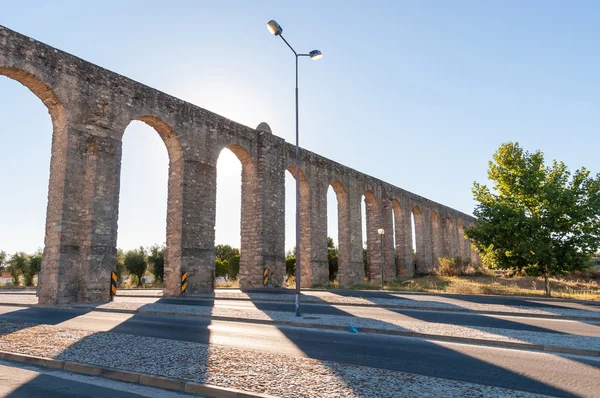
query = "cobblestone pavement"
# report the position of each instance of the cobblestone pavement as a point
(278, 375)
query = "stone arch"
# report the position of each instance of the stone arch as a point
(343, 231)
(251, 266)
(436, 232)
(60, 230)
(448, 240)
(174, 232)
(303, 258)
(373, 223)
(420, 261)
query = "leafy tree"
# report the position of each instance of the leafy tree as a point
(32, 267)
(121, 269)
(156, 258)
(234, 266)
(332, 257)
(16, 264)
(539, 219)
(3, 258)
(136, 263)
(221, 267)
(225, 252)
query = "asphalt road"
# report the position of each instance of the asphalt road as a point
(533, 324)
(24, 381)
(565, 376)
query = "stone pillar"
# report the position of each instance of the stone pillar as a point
(270, 194)
(449, 237)
(319, 263)
(436, 241)
(403, 235)
(78, 252)
(191, 227)
(388, 240)
(374, 244)
(351, 268)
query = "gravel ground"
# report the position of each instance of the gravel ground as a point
(496, 334)
(279, 375)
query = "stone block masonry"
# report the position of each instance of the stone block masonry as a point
(91, 107)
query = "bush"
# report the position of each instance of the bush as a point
(290, 266)
(16, 264)
(234, 267)
(221, 267)
(452, 266)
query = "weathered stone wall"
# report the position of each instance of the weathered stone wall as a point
(90, 109)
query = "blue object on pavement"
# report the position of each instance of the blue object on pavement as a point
(352, 329)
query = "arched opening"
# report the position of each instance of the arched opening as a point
(236, 223)
(304, 227)
(418, 240)
(449, 250)
(332, 234)
(374, 243)
(144, 193)
(338, 228)
(436, 240)
(151, 194)
(32, 149)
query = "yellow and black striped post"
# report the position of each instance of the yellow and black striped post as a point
(113, 284)
(266, 277)
(183, 282)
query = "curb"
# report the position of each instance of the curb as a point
(165, 383)
(393, 306)
(437, 337)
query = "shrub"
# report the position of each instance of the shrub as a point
(157, 259)
(290, 266)
(221, 267)
(234, 267)
(453, 266)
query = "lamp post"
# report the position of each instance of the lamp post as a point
(380, 231)
(276, 29)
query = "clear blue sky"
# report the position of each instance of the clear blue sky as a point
(419, 94)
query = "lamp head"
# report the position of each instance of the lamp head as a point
(316, 55)
(380, 231)
(274, 27)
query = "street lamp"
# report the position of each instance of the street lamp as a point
(276, 29)
(380, 231)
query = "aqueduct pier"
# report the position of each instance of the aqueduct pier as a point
(91, 107)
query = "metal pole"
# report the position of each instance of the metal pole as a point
(382, 261)
(298, 273)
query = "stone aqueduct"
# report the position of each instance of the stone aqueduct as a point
(90, 109)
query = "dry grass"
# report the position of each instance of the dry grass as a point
(499, 285)
(234, 283)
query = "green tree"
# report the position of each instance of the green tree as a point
(234, 266)
(538, 219)
(136, 263)
(332, 257)
(3, 258)
(32, 267)
(225, 252)
(221, 267)
(156, 258)
(120, 269)
(16, 264)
